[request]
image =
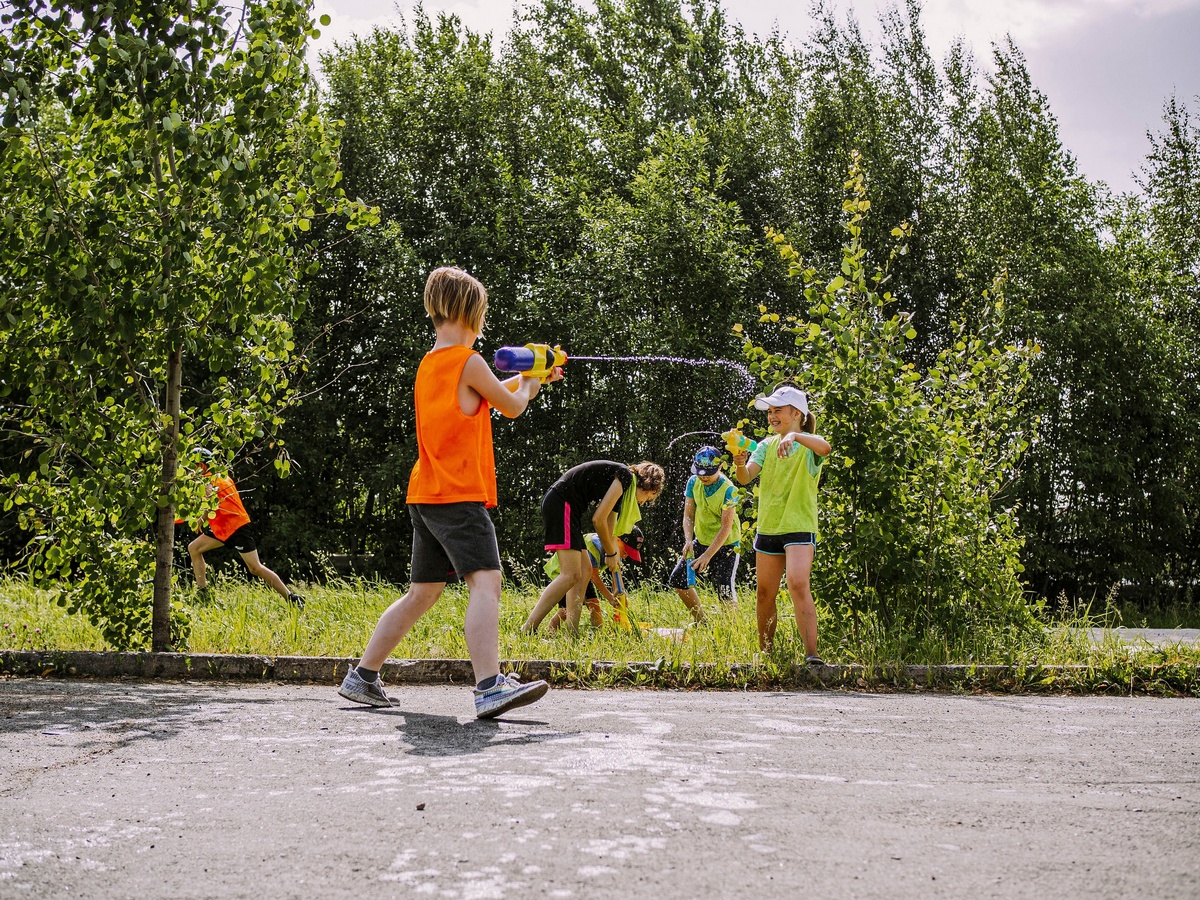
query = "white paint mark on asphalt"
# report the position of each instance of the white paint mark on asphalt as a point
(804, 776)
(723, 818)
(624, 846)
(410, 875)
(513, 785)
(715, 800)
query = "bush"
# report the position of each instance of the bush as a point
(918, 531)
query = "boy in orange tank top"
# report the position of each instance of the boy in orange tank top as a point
(451, 487)
(229, 526)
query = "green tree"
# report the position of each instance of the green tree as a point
(504, 163)
(163, 164)
(1155, 244)
(917, 519)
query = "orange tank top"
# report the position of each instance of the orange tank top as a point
(231, 514)
(455, 462)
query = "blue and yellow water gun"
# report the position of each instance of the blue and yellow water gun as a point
(533, 360)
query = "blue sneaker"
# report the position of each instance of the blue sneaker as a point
(355, 687)
(507, 693)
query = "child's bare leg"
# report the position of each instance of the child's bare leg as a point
(593, 605)
(482, 625)
(574, 607)
(692, 601)
(397, 620)
(770, 570)
(258, 570)
(569, 564)
(200, 545)
(560, 616)
(799, 569)
(575, 597)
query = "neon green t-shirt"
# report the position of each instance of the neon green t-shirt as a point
(711, 502)
(628, 511)
(787, 488)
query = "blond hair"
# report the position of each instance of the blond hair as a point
(451, 295)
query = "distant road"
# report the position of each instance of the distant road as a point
(271, 791)
(1159, 636)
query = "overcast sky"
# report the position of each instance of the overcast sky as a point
(1106, 65)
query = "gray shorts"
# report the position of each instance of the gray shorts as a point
(449, 539)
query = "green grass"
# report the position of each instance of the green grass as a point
(249, 619)
(1160, 615)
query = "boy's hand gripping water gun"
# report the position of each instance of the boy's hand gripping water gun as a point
(689, 559)
(533, 360)
(736, 442)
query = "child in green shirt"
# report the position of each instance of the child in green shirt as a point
(712, 533)
(790, 463)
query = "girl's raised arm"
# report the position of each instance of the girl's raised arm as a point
(813, 442)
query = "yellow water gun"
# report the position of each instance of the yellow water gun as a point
(736, 442)
(621, 616)
(533, 360)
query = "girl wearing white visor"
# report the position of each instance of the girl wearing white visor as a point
(790, 462)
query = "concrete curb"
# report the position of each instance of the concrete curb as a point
(1170, 680)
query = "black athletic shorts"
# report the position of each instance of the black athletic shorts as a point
(451, 538)
(562, 522)
(777, 544)
(721, 571)
(241, 540)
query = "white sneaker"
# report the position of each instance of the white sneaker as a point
(507, 693)
(355, 687)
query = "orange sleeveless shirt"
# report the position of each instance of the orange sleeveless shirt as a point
(230, 514)
(455, 461)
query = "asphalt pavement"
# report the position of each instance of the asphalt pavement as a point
(153, 789)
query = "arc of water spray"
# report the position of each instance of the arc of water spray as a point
(748, 379)
(679, 438)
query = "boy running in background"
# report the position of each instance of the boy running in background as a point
(229, 525)
(712, 532)
(449, 492)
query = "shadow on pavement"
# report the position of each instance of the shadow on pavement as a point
(432, 735)
(131, 711)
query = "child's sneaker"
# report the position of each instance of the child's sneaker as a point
(296, 600)
(507, 693)
(355, 687)
(813, 660)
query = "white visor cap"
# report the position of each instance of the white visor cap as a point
(785, 395)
